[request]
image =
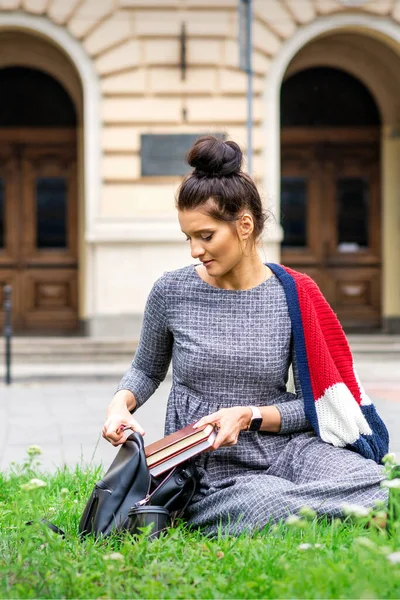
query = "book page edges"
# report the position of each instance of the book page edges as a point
(174, 449)
(183, 456)
(174, 438)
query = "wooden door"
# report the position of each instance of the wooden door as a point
(330, 207)
(38, 229)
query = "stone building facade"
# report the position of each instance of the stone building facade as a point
(121, 69)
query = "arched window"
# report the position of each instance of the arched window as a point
(31, 98)
(326, 97)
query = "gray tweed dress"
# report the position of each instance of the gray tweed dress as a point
(230, 348)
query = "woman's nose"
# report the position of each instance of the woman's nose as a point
(196, 250)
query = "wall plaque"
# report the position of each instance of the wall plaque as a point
(164, 154)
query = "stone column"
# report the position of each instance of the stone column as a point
(391, 229)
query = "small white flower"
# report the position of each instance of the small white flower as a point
(306, 511)
(355, 510)
(34, 450)
(52, 509)
(307, 546)
(366, 542)
(390, 459)
(38, 482)
(33, 484)
(295, 521)
(64, 491)
(394, 557)
(391, 483)
(113, 556)
(292, 520)
(75, 501)
(304, 546)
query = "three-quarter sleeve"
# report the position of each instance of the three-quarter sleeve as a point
(293, 418)
(153, 355)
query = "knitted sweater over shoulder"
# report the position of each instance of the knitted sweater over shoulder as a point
(335, 402)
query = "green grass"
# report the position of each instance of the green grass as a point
(352, 561)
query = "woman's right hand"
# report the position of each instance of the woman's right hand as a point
(118, 417)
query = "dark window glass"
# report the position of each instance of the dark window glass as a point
(32, 98)
(294, 210)
(51, 212)
(2, 228)
(326, 97)
(352, 213)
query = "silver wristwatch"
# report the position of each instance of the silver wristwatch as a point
(256, 419)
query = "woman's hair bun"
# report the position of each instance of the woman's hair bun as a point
(212, 157)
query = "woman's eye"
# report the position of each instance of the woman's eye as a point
(205, 239)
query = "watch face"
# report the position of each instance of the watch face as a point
(255, 425)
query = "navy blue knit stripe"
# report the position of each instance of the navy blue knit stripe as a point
(373, 446)
(292, 300)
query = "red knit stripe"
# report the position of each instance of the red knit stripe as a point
(329, 356)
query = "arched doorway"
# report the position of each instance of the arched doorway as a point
(330, 189)
(38, 200)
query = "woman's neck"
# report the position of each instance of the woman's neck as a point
(249, 273)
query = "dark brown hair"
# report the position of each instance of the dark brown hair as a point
(218, 175)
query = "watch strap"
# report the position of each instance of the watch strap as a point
(256, 419)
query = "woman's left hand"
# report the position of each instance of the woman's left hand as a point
(230, 422)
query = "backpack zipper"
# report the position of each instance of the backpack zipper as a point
(148, 495)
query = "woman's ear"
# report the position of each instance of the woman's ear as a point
(246, 226)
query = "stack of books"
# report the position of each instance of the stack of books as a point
(163, 455)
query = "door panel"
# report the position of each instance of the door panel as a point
(355, 295)
(330, 201)
(10, 237)
(50, 298)
(299, 196)
(49, 206)
(352, 178)
(39, 254)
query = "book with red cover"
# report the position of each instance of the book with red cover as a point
(178, 447)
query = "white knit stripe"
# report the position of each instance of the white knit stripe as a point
(340, 419)
(365, 399)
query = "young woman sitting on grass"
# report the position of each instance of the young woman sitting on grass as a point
(232, 326)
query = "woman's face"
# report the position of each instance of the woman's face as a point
(213, 242)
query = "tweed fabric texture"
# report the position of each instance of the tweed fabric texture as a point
(230, 348)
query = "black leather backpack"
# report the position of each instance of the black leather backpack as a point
(128, 484)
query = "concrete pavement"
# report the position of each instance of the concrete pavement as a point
(65, 419)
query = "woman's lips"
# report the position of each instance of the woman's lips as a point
(207, 262)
